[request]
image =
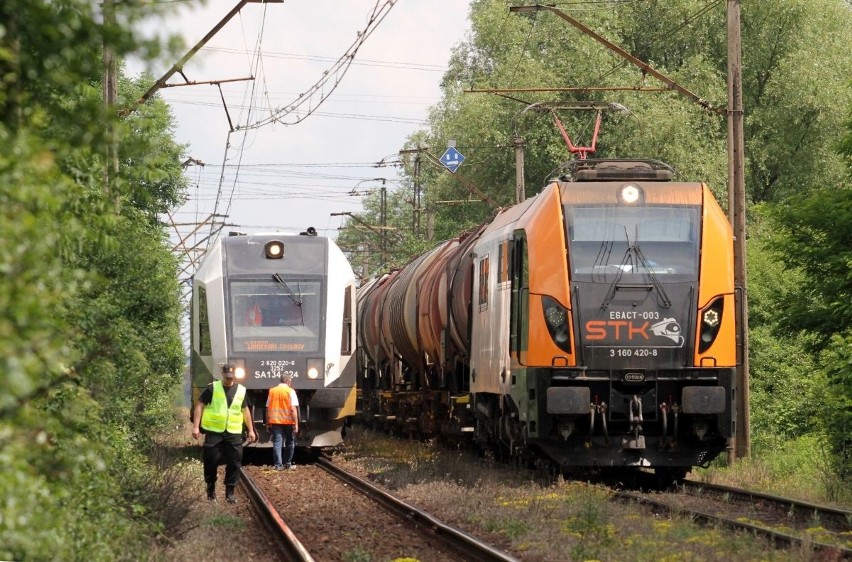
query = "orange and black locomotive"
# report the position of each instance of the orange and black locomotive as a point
(593, 325)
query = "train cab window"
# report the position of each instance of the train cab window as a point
(204, 345)
(519, 321)
(503, 258)
(266, 316)
(346, 339)
(484, 266)
(610, 242)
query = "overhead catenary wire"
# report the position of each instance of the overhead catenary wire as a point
(256, 61)
(295, 111)
(338, 70)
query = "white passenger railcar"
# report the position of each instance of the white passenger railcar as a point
(274, 303)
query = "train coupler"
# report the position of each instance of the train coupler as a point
(665, 441)
(636, 440)
(594, 410)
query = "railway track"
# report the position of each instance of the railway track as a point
(799, 513)
(785, 522)
(321, 512)
(823, 532)
(289, 546)
(455, 539)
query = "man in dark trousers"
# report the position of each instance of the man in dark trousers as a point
(282, 418)
(220, 414)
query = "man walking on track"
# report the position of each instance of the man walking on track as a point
(282, 419)
(220, 413)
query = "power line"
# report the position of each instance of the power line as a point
(362, 62)
(306, 104)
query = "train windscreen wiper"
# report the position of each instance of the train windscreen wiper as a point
(634, 253)
(625, 265)
(663, 300)
(290, 293)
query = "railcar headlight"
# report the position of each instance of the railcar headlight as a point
(274, 250)
(315, 368)
(556, 319)
(239, 369)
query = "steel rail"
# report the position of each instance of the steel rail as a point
(777, 538)
(839, 519)
(453, 538)
(288, 544)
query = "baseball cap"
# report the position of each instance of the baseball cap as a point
(228, 371)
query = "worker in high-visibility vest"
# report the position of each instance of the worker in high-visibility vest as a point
(220, 413)
(282, 419)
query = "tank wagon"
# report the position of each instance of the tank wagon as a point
(275, 303)
(593, 325)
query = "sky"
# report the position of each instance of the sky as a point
(286, 175)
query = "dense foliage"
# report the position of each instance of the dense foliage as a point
(813, 239)
(796, 96)
(89, 344)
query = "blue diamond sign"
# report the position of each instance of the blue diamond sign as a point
(452, 159)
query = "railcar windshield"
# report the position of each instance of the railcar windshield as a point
(274, 316)
(609, 242)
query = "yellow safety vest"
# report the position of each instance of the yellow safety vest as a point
(280, 409)
(218, 417)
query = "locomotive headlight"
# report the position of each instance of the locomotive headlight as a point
(274, 250)
(711, 322)
(556, 319)
(555, 316)
(313, 373)
(630, 194)
(711, 317)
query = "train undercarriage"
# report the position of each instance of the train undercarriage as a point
(622, 427)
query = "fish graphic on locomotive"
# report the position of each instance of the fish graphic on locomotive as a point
(593, 325)
(270, 304)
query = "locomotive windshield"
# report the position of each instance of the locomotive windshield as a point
(609, 242)
(275, 316)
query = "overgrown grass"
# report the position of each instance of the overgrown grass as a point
(537, 518)
(798, 468)
(204, 531)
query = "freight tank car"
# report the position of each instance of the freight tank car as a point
(275, 303)
(593, 325)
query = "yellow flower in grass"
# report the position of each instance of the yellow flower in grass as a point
(662, 527)
(707, 538)
(518, 503)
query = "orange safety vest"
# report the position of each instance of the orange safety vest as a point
(280, 408)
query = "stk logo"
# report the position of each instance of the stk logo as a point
(668, 328)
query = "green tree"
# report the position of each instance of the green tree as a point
(794, 95)
(813, 237)
(88, 335)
